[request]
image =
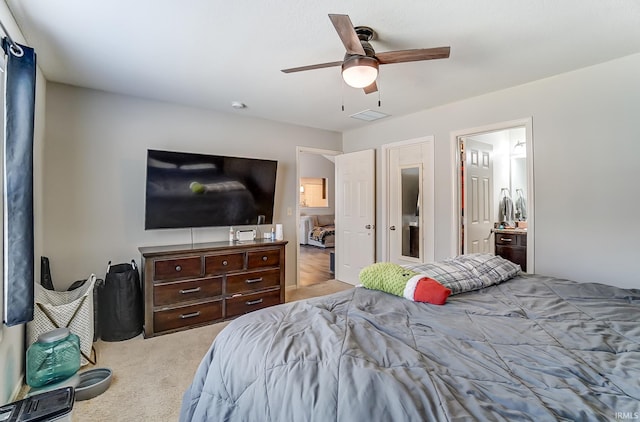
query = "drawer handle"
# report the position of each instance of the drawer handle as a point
(253, 280)
(264, 258)
(225, 263)
(194, 290)
(191, 315)
(502, 239)
(178, 268)
(254, 302)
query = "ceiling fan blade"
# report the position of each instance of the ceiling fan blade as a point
(311, 67)
(371, 88)
(402, 56)
(347, 34)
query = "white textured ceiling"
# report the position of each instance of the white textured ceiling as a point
(208, 53)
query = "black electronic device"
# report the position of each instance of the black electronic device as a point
(198, 190)
(47, 406)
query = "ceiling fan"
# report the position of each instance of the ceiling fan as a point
(360, 64)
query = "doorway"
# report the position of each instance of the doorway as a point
(494, 186)
(315, 215)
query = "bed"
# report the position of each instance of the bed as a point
(531, 348)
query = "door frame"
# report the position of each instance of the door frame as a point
(527, 123)
(429, 196)
(306, 150)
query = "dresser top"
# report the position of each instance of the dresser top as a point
(201, 247)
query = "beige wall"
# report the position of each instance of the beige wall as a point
(96, 145)
(586, 144)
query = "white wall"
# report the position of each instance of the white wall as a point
(95, 160)
(12, 338)
(317, 165)
(586, 143)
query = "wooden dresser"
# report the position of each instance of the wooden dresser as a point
(186, 286)
(511, 244)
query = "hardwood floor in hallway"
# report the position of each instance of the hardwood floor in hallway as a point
(314, 265)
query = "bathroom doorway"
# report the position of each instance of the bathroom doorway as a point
(494, 184)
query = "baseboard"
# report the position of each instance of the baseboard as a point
(291, 287)
(18, 389)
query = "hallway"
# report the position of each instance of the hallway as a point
(314, 265)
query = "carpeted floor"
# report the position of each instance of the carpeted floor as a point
(150, 375)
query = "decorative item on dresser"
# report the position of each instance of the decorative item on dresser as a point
(511, 244)
(192, 285)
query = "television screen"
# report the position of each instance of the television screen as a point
(198, 190)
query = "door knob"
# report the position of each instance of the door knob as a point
(392, 228)
(368, 226)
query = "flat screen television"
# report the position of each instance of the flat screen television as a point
(198, 190)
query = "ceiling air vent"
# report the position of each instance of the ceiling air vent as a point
(369, 115)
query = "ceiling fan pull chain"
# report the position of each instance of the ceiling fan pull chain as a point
(342, 94)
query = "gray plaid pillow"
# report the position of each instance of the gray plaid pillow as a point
(451, 274)
(465, 273)
(492, 269)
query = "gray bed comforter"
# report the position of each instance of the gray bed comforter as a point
(532, 348)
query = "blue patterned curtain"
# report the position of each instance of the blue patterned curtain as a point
(18, 183)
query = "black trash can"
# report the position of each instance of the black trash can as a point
(120, 303)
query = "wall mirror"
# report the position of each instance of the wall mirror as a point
(313, 192)
(410, 191)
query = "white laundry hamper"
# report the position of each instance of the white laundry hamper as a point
(72, 309)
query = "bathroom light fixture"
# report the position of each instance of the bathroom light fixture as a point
(238, 105)
(360, 71)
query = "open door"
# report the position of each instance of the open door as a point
(478, 196)
(355, 214)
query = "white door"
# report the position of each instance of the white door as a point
(355, 214)
(478, 196)
(410, 203)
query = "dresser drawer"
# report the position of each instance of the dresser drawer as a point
(506, 239)
(172, 269)
(192, 285)
(251, 302)
(268, 258)
(182, 291)
(258, 280)
(217, 264)
(186, 316)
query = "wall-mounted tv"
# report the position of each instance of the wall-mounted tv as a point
(200, 190)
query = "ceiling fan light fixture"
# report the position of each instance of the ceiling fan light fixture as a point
(360, 71)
